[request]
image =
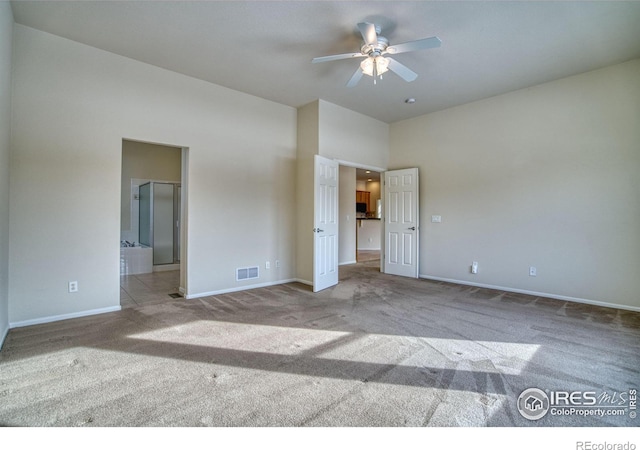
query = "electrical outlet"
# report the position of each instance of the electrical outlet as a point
(532, 271)
(267, 265)
(73, 286)
(474, 267)
(277, 263)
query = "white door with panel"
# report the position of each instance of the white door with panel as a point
(401, 227)
(325, 231)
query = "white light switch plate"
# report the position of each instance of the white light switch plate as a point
(436, 219)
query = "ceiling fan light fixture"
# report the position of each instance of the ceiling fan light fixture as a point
(382, 65)
(367, 66)
(375, 66)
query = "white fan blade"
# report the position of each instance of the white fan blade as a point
(355, 78)
(411, 46)
(336, 57)
(368, 31)
(401, 70)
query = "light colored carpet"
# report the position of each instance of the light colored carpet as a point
(375, 350)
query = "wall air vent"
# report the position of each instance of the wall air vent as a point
(247, 273)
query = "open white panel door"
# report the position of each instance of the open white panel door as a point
(401, 229)
(325, 231)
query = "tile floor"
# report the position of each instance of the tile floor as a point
(147, 288)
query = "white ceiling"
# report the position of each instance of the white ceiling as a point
(366, 175)
(265, 48)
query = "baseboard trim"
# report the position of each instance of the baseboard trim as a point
(347, 262)
(535, 293)
(48, 319)
(3, 336)
(240, 288)
(165, 267)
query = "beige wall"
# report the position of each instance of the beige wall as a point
(349, 136)
(374, 188)
(6, 31)
(336, 133)
(73, 106)
(307, 142)
(146, 161)
(369, 234)
(347, 215)
(544, 177)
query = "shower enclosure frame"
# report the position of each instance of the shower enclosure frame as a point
(157, 237)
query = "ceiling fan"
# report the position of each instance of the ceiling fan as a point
(375, 49)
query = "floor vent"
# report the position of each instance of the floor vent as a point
(175, 295)
(247, 273)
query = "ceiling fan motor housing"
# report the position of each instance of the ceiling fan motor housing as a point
(377, 49)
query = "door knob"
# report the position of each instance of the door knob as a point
(318, 230)
(412, 228)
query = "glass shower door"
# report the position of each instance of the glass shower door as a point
(145, 233)
(163, 225)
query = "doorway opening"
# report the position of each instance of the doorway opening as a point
(152, 225)
(335, 213)
(368, 215)
(360, 213)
